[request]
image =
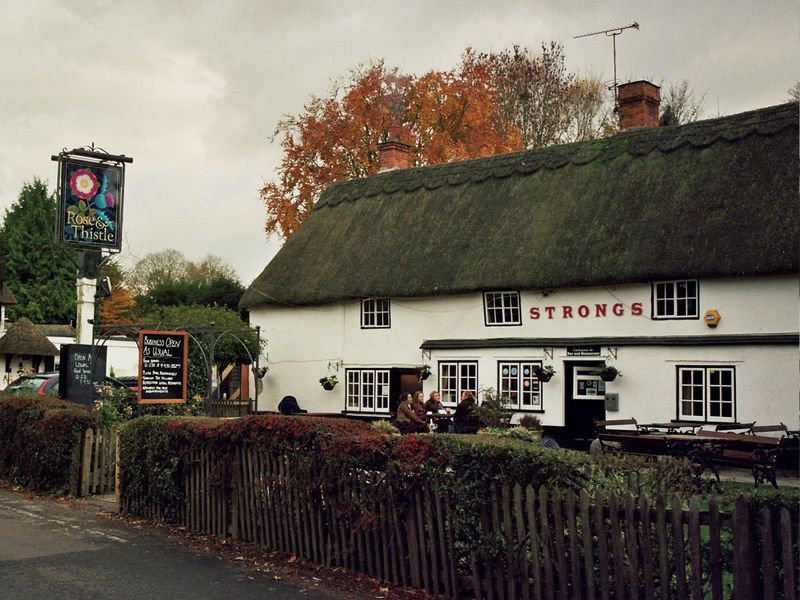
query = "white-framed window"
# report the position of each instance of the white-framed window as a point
(501, 308)
(518, 383)
(375, 313)
(367, 390)
(456, 377)
(707, 393)
(587, 385)
(676, 299)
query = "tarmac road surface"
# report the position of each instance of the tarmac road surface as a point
(64, 550)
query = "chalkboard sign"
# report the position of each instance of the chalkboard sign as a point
(163, 367)
(75, 376)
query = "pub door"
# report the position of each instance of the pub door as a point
(584, 400)
(402, 381)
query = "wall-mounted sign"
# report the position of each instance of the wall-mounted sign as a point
(585, 311)
(90, 204)
(583, 350)
(163, 360)
(80, 368)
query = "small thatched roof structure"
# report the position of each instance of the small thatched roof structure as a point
(6, 297)
(716, 198)
(24, 338)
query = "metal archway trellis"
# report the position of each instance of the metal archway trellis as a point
(210, 334)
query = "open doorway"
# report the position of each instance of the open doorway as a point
(584, 400)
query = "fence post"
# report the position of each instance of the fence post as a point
(75, 470)
(744, 563)
(86, 465)
(117, 475)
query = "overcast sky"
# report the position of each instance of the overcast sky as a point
(193, 90)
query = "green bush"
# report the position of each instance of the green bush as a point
(40, 440)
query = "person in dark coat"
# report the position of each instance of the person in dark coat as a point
(465, 418)
(289, 406)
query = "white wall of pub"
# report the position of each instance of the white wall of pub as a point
(305, 343)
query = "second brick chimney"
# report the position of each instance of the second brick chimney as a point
(638, 104)
(392, 153)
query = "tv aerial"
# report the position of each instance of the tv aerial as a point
(612, 33)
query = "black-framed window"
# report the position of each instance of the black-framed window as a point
(367, 390)
(375, 313)
(707, 393)
(677, 299)
(456, 377)
(517, 382)
(501, 308)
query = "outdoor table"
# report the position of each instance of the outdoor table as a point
(672, 426)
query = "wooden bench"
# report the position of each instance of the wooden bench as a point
(745, 427)
(757, 452)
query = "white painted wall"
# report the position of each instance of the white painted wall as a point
(303, 341)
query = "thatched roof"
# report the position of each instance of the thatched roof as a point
(6, 297)
(709, 199)
(24, 338)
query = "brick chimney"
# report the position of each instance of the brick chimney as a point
(638, 104)
(392, 153)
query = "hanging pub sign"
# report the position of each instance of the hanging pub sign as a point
(163, 361)
(91, 186)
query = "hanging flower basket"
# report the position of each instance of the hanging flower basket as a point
(329, 382)
(424, 372)
(544, 374)
(609, 373)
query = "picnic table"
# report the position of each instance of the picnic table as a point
(705, 449)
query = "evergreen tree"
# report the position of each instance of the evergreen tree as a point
(38, 273)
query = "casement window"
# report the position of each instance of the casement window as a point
(375, 313)
(367, 390)
(501, 308)
(455, 378)
(676, 299)
(707, 393)
(519, 385)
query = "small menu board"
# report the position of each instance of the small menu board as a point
(163, 359)
(80, 367)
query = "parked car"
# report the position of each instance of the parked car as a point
(38, 384)
(46, 384)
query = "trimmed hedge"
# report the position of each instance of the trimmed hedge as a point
(40, 442)
(155, 450)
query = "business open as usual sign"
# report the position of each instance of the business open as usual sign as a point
(90, 200)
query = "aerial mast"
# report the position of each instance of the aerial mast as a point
(612, 33)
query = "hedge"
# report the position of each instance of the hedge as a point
(154, 453)
(40, 442)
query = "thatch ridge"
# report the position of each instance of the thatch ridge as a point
(712, 198)
(23, 337)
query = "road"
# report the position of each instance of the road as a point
(66, 550)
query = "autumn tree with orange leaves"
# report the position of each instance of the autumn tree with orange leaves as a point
(471, 111)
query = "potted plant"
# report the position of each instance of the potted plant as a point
(544, 373)
(329, 382)
(609, 373)
(424, 372)
(533, 424)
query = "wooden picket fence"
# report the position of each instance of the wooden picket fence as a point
(98, 462)
(520, 543)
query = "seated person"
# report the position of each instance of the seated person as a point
(434, 406)
(289, 406)
(407, 419)
(466, 419)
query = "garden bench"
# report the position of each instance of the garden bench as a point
(745, 427)
(756, 452)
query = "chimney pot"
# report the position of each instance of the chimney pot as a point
(639, 102)
(392, 153)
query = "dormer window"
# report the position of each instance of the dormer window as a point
(375, 313)
(675, 299)
(501, 308)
